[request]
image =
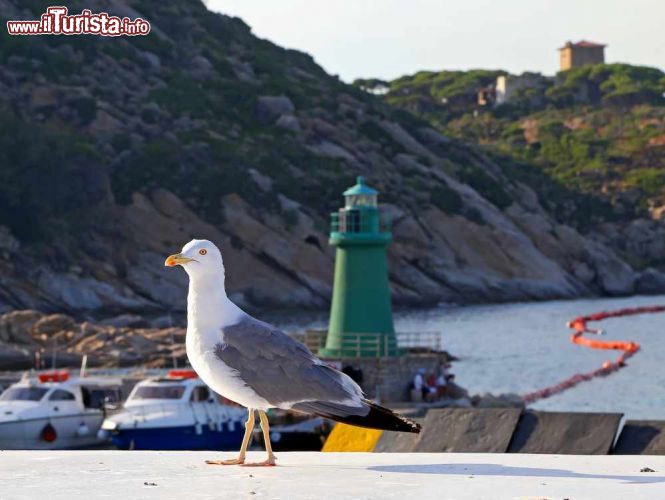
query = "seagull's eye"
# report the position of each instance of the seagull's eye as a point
(203, 251)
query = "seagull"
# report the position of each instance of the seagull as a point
(260, 367)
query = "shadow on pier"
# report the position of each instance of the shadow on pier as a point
(512, 471)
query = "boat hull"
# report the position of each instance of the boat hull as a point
(27, 434)
(189, 437)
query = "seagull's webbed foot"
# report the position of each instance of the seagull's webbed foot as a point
(268, 462)
(249, 427)
(230, 461)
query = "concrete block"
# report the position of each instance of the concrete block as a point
(468, 430)
(398, 442)
(565, 433)
(641, 437)
(415, 395)
(351, 438)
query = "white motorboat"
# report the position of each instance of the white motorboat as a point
(176, 412)
(52, 410)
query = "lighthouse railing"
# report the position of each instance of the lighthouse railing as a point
(358, 221)
(357, 345)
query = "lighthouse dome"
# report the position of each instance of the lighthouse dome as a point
(360, 195)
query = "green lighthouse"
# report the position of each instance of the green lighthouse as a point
(361, 321)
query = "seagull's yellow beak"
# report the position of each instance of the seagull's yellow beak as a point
(176, 259)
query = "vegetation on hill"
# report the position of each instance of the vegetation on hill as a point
(609, 84)
(435, 95)
(597, 131)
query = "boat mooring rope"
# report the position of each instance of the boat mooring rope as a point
(579, 327)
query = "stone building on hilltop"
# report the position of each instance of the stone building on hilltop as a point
(525, 87)
(574, 55)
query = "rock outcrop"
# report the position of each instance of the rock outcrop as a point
(164, 139)
(28, 336)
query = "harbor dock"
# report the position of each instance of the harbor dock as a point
(300, 475)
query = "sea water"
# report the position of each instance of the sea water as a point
(522, 347)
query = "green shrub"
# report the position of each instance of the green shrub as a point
(650, 180)
(86, 109)
(45, 188)
(374, 132)
(446, 199)
(486, 185)
(121, 141)
(474, 215)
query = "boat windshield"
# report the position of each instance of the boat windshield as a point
(23, 394)
(159, 392)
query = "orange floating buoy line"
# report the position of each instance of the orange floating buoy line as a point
(579, 325)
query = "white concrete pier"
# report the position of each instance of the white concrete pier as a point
(184, 475)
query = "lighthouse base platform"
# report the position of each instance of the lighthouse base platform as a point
(159, 475)
(387, 378)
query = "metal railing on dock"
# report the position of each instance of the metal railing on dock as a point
(356, 345)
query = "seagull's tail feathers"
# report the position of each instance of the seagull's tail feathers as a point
(368, 415)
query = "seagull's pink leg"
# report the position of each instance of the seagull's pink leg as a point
(265, 427)
(249, 427)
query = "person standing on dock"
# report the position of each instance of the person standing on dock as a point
(442, 382)
(419, 384)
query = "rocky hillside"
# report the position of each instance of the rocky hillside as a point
(125, 340)
(116, 151)
(591, 141)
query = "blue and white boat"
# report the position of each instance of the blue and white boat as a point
(176, 412)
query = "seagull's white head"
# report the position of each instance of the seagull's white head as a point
(200, 258)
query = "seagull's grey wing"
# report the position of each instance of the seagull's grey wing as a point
(283, 371)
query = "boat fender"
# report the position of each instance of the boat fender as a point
(103, 434)
(211, 426)
(232, 425)
(198, 429)
(49, 433)
(83, 430)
